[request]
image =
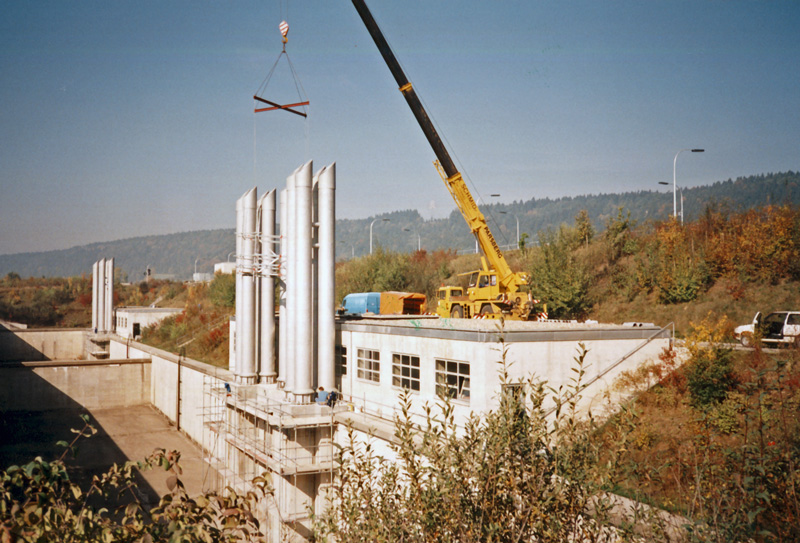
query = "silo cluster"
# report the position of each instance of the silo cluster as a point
(103, 296)
(300, 263)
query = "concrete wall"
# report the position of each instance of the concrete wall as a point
(547, 357)
(41, 344)
(39, 386)
(195, 378)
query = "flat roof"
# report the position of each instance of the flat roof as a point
(136, 309)
(490, 330)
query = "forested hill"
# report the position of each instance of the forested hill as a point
(176, 253)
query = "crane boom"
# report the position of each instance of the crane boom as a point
(508, 280)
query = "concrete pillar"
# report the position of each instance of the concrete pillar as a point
(101, 296)
(95, 293)
(267, 279)
(109, 293)
(326, 328)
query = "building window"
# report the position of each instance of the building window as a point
(369, 365)
(405, 371)
(341, 360)
(452, 379)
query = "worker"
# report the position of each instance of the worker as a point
(322, 396)
(332, 398)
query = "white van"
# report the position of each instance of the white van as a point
(780, 327)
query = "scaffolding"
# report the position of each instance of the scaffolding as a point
(251, 429)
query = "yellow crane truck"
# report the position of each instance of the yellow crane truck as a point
(493, 291)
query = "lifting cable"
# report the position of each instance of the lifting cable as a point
(303, 99)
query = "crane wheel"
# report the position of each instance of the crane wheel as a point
(487, 309)
(457, 312)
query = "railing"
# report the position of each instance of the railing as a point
(624, 357)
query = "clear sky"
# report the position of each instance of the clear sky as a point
(122, 118)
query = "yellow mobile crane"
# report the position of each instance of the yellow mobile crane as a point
(494, 291)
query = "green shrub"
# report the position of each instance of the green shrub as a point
(710, 376)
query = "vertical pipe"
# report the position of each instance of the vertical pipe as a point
(110, 295)
(267, 279)
(101, 296)
(235, 365)
(315, 278)
(291, 283)
(248, 372)
(257, 290)
(303, 391)
(282, 317)
(326, 328)
(94, 296)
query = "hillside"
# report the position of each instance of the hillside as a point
(176, 254)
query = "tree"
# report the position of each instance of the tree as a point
(39, 502)
(506, 476)
(558, 277)
(584, 228)
(618, 234)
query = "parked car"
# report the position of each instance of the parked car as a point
(780, 327)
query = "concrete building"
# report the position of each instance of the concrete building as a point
(245, 430)
(130, 321)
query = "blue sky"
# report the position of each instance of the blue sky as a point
(121, 119)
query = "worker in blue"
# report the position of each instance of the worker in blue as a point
(322, 396)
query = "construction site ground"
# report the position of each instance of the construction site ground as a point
(129, 433)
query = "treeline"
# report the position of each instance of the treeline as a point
(575, 269)
(405, 231)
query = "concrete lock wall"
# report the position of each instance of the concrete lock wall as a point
(41, 344)
(179, 398)
(40, 386)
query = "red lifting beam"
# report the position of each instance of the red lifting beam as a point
(286, 107)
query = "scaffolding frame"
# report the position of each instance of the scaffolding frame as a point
(250, 429)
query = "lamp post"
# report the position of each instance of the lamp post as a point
(675, 183)
(517, 219)
(370, 232)
(680, 189)
(419, 239)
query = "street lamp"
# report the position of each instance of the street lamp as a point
(370, 232)
(517, 219)
(419, 239)
(675, 183)
(680, 189)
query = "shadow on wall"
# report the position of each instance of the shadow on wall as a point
(15, 349)
(28, 433)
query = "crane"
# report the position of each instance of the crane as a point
(495, 290)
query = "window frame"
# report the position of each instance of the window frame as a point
(340, 361)
(365, 372)
(451, 381)
(399, 366)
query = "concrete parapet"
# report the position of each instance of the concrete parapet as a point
(60, 384)
(41, 344)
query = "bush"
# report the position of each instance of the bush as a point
(710, 376)
(222, 290)
(39, 502)
(505, 476)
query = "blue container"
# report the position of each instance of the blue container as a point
(362, 302)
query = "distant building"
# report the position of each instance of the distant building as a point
(130, 321)
(225, 267)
